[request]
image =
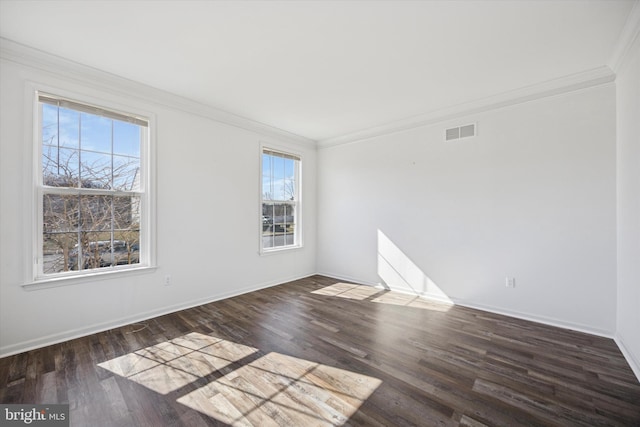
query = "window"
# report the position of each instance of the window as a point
(280, 200)
(92, 190)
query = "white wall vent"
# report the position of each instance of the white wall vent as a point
(465, 131)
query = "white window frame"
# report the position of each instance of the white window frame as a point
(146, 193)
(298, 236)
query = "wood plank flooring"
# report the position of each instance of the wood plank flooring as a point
(321, 352)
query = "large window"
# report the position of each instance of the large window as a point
(280, 200)
(92, 191)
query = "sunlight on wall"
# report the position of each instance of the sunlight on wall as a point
(398, 272)
(273, 389)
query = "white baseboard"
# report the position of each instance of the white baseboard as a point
(33, 344)
(347, 279)
(491, 309)
(549, 321)
(433, 297)
(631, 360)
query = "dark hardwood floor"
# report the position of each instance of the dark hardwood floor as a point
(320, 352)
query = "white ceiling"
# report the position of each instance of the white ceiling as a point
(322, 69)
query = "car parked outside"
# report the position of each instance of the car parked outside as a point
(100, 254)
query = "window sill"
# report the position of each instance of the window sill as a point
(54, 282)
(280, 250)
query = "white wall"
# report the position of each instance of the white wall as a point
(628, 127)
(207, 218)
(532, 196)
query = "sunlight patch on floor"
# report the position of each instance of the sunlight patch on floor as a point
(282, 390)
(274, 389)
(348, 291)
(382, 296)
(408, 300)
(170, 365)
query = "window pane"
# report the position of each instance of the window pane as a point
(60, 231)
(267, 178)
(126, 139)
(50, 125)
(95, 170)
(289, 189)
(289, 179)
(126, 213)
(267, 193)
(95, 214)
(93, 246)
(126, 173)
(126, 248)
(278, 178)
(59, 146)
(95, 133)
(289, 225)
(57, 252)
(60, 213)
(283, 224)
(60, 166)
(69, 124)
(267, 225)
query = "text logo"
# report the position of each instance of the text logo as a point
(35, 415)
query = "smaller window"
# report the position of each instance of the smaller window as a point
(280, 200)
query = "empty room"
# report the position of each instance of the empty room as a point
(320, 213)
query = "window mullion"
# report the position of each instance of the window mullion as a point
(111, 234)
(80, 257)
(79, 185)
(89, 191)
(112, 203)
(58, 138)
(112, 176)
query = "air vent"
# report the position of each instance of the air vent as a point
(465, 131)
(453, 133)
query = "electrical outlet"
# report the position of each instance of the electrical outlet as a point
(510, 282)
(167, 280)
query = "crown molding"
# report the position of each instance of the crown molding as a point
(38, 59)
(28, 56)
(628, 36)
(570, 83)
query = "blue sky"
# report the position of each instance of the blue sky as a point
(278, 177)
(89, 137)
